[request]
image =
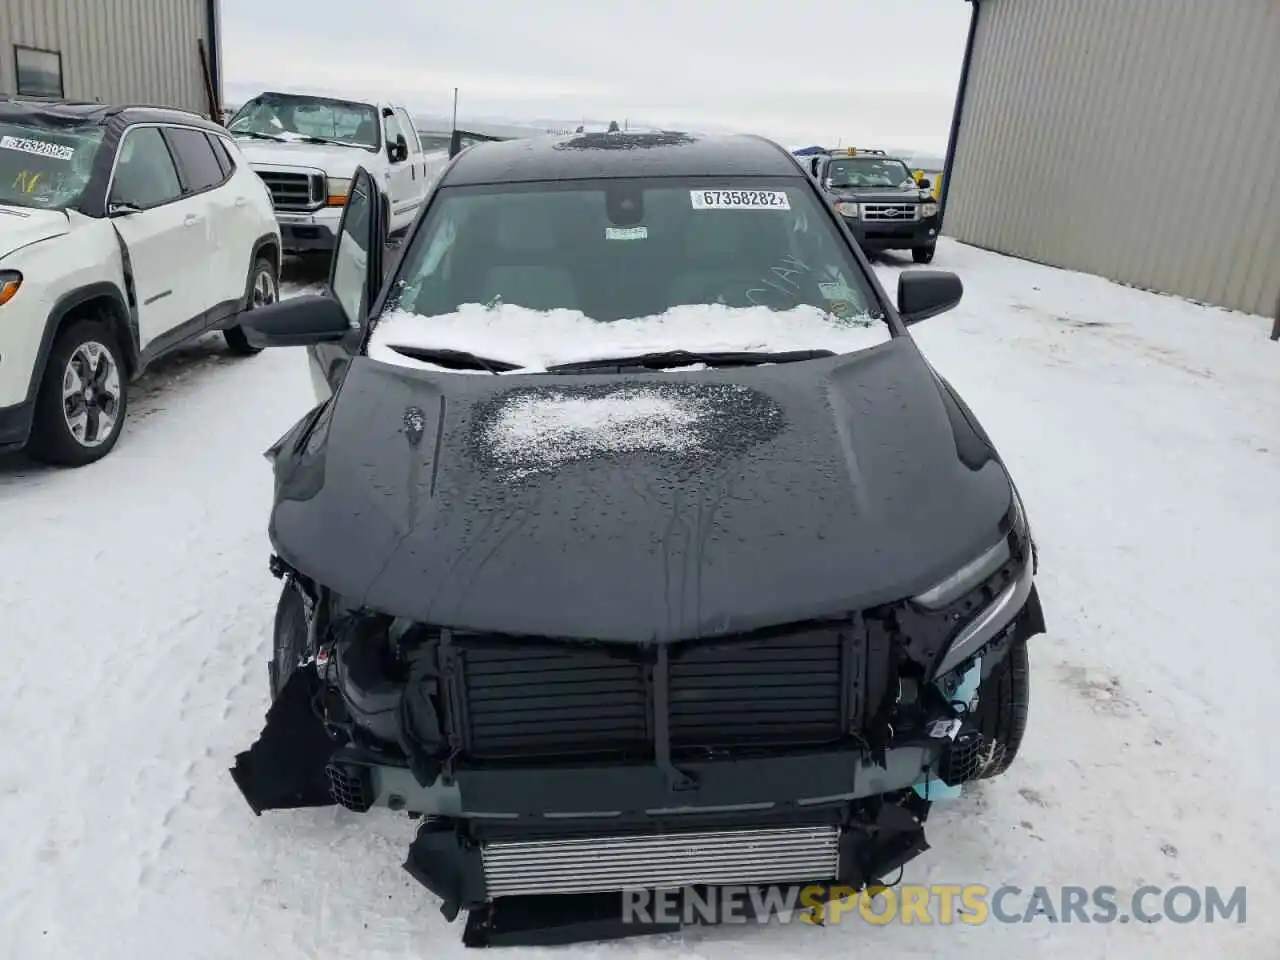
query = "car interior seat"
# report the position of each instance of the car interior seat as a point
(728, 256)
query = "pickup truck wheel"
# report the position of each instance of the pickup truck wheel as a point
(264, 289)
(1003, 701)
(289, 644)
(82, 399)
(922, 254)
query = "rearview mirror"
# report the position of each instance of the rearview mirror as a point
(399, 151)
(924, 183)
(297, 322)
(926, 293)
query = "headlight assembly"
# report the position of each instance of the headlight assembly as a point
(337, 192)
(10, 283)
(972, 574)
(986, 594)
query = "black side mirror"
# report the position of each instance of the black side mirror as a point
(924, 183)
(926, 293)
(297, 322)
(399, 151)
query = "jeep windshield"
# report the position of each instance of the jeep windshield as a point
(868, 172)
(46, 166)
(555, 272)
(290, 117)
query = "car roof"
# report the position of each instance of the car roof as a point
(584, 156)
(92, 113)
(295, 95)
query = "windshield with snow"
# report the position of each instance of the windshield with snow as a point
(868, 172)
(286, 117)
(46, 167)
(631, 248)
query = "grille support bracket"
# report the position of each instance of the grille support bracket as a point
(677, 779)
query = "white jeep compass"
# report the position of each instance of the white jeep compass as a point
(124, 233)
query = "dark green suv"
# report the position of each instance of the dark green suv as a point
(880, 200)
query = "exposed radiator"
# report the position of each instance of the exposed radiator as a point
(552, 700)
(524, 700)
(606, 864)
(783, 691)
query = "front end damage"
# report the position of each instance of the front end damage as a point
(550, 776)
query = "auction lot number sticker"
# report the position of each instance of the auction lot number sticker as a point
(41, 148)
(740, 200)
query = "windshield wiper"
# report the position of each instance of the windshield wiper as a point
(256, 135)
(455, 359)
(683, 358)
(332, 143)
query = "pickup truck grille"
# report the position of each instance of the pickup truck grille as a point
(513, 700)
(294, 191)
(892, 212)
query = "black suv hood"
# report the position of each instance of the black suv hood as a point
(777, 494)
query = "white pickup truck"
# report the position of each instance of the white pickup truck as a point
(306, 149)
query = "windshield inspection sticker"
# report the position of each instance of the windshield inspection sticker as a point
(626, 233)
(835, 291)
(41, 148)
(740, 200)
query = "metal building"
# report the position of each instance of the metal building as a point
(160, 52)
(1134, 139)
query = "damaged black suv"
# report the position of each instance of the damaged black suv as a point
(633, 612)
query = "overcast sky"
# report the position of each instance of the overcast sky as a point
(871, 72)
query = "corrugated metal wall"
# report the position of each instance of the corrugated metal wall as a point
(1136, 139)
(113, 50)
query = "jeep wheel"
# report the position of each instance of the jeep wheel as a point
(289, 644)
(1003, 701)
(922, 254)
(264, 289)
(83, 397)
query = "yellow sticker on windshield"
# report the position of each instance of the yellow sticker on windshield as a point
(25, 181)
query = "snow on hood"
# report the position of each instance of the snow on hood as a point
(537, 339)
(335, 161)
(540, 428)
(22, 226)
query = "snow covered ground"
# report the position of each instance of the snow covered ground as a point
(135, 608)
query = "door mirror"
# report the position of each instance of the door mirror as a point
(924, 183)
(118, 208)
(356, 271)
(296, 322)
(927, 293)
(398, 151)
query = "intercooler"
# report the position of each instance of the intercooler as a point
(669, 860)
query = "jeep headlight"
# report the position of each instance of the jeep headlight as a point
(10, 282)
(847, 208)
(336, 192)
(928, 210)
